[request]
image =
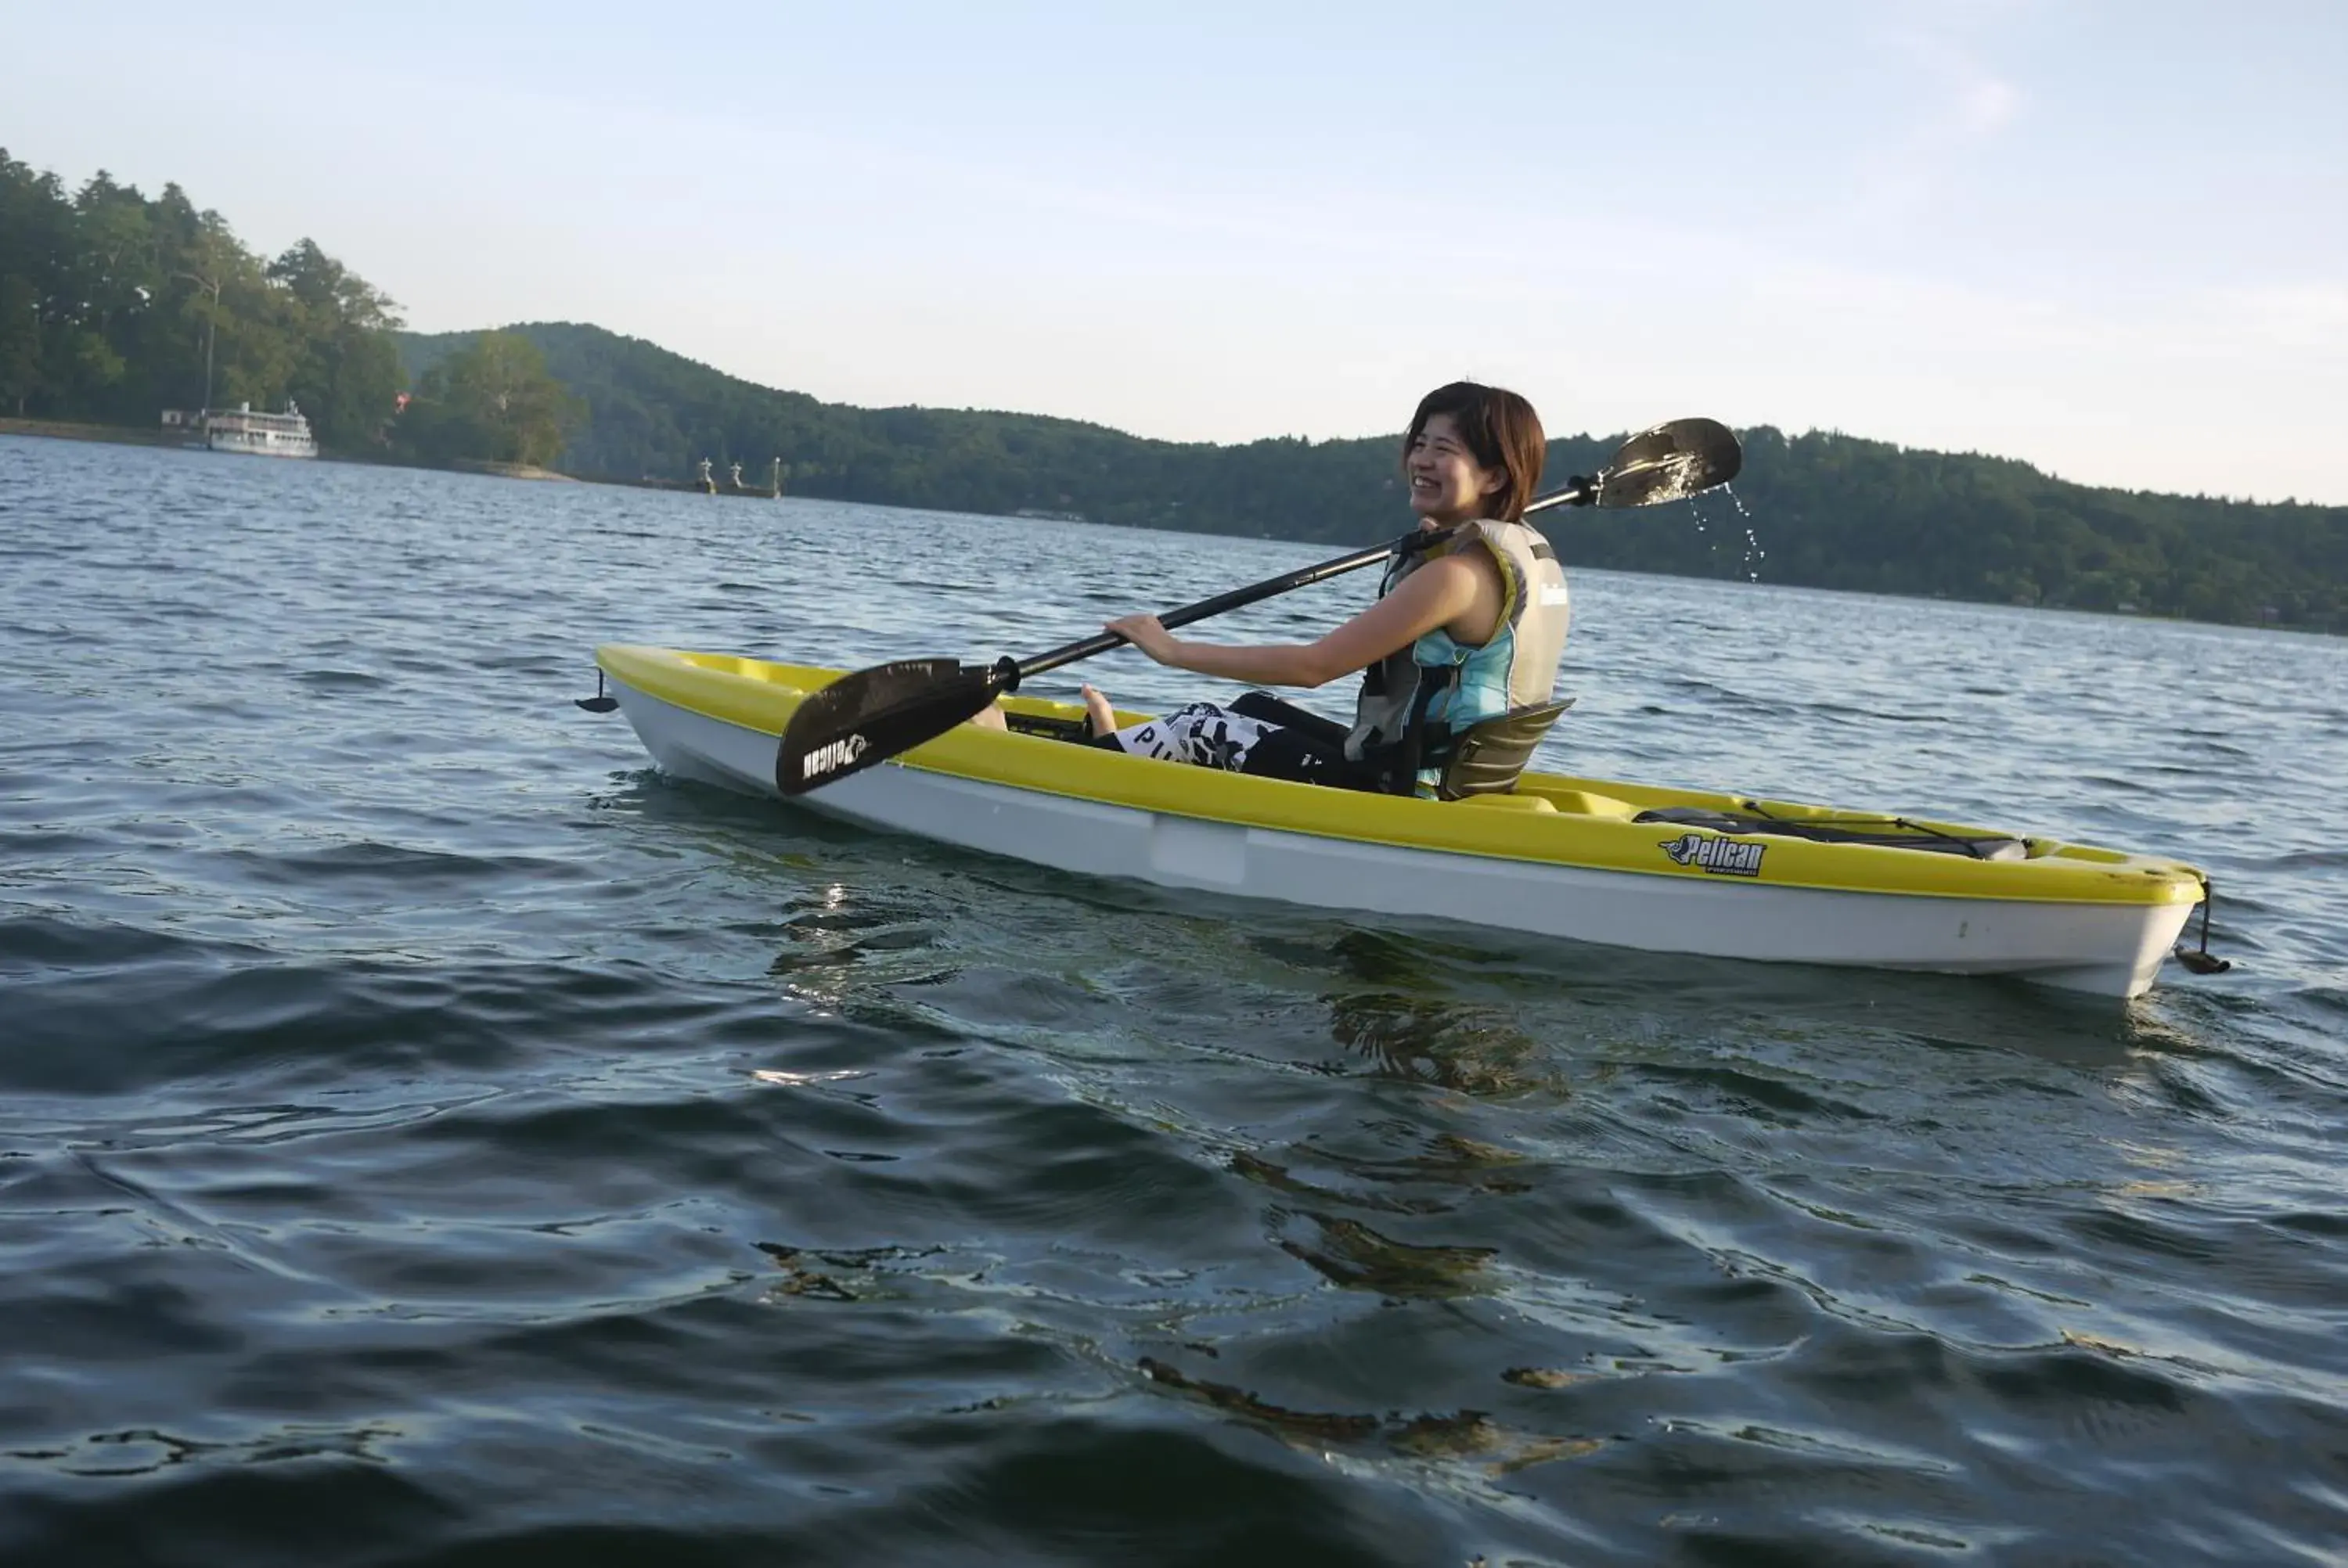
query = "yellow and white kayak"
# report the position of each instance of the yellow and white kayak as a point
(1616, 864)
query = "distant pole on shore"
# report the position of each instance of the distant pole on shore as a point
(212, 327)
(778, 479)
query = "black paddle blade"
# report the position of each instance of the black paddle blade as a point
(1671, 463)
(874, 715)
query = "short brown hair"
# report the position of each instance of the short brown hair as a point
(1501, 431)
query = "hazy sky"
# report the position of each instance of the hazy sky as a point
(2109, 238)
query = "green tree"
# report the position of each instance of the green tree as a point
(491, 400)
(348, 374)
(35, 243)
(20, 340)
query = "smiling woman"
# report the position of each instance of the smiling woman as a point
(1467, 627)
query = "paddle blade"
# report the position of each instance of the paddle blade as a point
(871, 715)
(1670, 463)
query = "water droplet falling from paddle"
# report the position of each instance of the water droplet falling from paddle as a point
(1753, 550)
(1711, 545)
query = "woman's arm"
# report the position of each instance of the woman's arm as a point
(1437, 593)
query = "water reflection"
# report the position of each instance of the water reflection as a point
(1348, 1253)
(1439, 1436)
(1400, 1016)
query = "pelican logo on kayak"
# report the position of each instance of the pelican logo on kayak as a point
(1721, 856)
(830, 757)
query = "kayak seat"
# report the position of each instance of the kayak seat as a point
(1488, 758)
(1485, 760)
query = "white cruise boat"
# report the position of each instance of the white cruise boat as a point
(286, 434)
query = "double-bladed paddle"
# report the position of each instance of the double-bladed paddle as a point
(871, 715)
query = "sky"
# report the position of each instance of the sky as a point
(2110, 239)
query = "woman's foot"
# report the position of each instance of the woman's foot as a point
(1102, 717)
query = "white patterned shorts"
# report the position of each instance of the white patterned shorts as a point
(1202, 735)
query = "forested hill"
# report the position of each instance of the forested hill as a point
(1828, 510)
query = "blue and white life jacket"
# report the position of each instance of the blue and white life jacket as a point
(1415, 701)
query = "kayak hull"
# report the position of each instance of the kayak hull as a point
(2101, 944)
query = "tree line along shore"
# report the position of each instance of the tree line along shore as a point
(115, 305)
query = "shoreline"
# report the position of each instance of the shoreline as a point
(128, 436)
(78, 430)
(124, 435)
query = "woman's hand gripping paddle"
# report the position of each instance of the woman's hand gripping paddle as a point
(871, 715)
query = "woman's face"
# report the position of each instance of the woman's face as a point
(1446, 483)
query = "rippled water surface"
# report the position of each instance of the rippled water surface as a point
(430, 1136)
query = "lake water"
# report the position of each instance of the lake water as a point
(430, 1136)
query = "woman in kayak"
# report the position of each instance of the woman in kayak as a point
(1469, 623)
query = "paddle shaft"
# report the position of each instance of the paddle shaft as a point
(1575, 494)
(1305, 576)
